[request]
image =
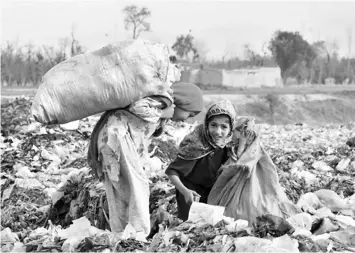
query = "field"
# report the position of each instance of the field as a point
(304, 89)
(50, 202)
(316, 104)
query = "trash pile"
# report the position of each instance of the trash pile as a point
(50, 202)
(311, 158)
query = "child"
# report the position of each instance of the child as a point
(118, 142)
(222, 163)
(201, 155)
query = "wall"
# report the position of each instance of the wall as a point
(268, 77)
(207, 77)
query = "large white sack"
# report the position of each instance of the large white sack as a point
(109, 78)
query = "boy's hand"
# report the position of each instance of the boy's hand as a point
(191, 196)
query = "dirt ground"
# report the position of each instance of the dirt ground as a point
(311, 105)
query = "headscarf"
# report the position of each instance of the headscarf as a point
(199, 143)
(223, 107)
(187, 96)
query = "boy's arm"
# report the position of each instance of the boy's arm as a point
(149, 109)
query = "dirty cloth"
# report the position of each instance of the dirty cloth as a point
(248, 186)
(122, 146)
(142, 108)
(188, 96)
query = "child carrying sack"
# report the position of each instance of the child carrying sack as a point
(109, 78)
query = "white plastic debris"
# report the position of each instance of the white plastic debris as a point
(80, 229)
(19, 247)
(28, 183)
(237, 225)
(326, 226)
(345, 221)
(321, 166)
(286, 243)
(309, 177)
(301, 220)
(343, 165)
(207, 213)
(352, 166)
(24, 172)
(324, 212)
(55, 196)
(7, 236)
(7, 192)
(309, 199)
(80, 226)
(331, 200)
(251, 244)
(73, 125)
(297, 166)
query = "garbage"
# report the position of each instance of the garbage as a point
(322, 166)
(324, 212)
(345, 222)
(351, 142)
(46, 187)
(8, 237)
(206, 213)
(251, 244)
(237, 226)
(352, 167)
(331, 200)
(71, 126)
(309, 177)
(297, 166)
(346, 237)
(306, 244)
(301, 220)
(273, 225)
(343, 165)
(24, 172)
(325, 225)
(7, 192)
(285, 243)
(309, 199)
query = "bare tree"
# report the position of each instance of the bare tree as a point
(76, 48)
(349, 35)
(224, 57)
(136, 18)
(264, 48)
(249, 54)
(7, 61)
(201, 49)
(332, 48)
(255, 60)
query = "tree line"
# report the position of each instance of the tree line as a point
(298, 60)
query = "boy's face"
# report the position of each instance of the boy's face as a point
(182, 115)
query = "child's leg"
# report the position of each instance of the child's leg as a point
(117, 207)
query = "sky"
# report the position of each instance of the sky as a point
(220, 28)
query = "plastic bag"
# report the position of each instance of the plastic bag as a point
(206, 213)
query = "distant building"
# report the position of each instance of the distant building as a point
(255, 77)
